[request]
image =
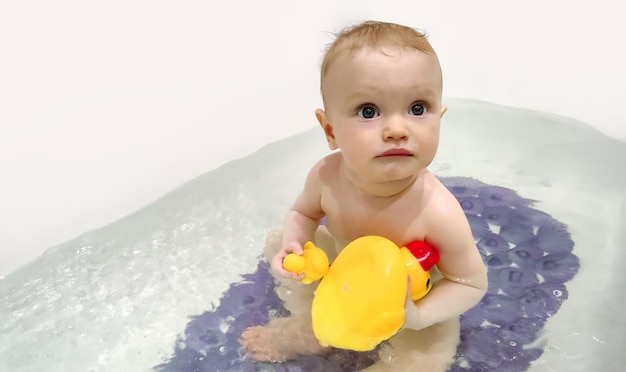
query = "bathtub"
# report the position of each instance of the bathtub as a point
(123, 297)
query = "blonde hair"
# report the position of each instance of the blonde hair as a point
(373, 34)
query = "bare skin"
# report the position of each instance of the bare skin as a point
(275, 342)
(387, 128)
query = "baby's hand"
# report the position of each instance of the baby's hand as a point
(277, 261)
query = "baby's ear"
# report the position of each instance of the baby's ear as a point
(327, 127)
(444, 108)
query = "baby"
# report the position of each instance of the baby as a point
(381, 87)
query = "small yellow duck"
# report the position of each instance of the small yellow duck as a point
(360, 301)
(313, 263)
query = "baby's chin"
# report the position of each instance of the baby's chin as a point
(394, 179)
(397, 172)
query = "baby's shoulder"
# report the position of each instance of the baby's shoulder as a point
(442, 201)
(328, 166)
(323, 173)
(445, 223)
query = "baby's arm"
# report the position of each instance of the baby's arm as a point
(464, 280)
(302, 220)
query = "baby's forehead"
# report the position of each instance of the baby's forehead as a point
(386, 50)
(349, 56)
(343, 62)
(376, 37)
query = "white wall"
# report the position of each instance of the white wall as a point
(105, 106)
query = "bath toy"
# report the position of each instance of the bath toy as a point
(313, 263)
(360, 301)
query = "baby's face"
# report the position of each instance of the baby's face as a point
(384, 109)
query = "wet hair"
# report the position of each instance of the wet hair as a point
(373, 34)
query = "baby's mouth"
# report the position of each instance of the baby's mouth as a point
(396, 152)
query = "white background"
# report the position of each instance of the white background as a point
(105, 106)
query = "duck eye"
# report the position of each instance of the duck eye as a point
(428, 283)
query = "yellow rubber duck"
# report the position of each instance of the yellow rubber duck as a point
(313, 263)
(360, 301)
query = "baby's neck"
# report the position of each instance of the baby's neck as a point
(386, 189)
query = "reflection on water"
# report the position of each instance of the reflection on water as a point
(120, 296)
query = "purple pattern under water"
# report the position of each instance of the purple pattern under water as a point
(529, 258)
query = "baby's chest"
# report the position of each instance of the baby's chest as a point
(348, 219)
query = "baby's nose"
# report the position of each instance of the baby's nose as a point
(395, 129)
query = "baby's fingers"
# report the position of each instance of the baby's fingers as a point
(278, 260)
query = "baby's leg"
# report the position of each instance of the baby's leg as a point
(281, 339)
(285, 338)
(429, 349)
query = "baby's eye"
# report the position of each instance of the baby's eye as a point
(417, 109)
(368, 112)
